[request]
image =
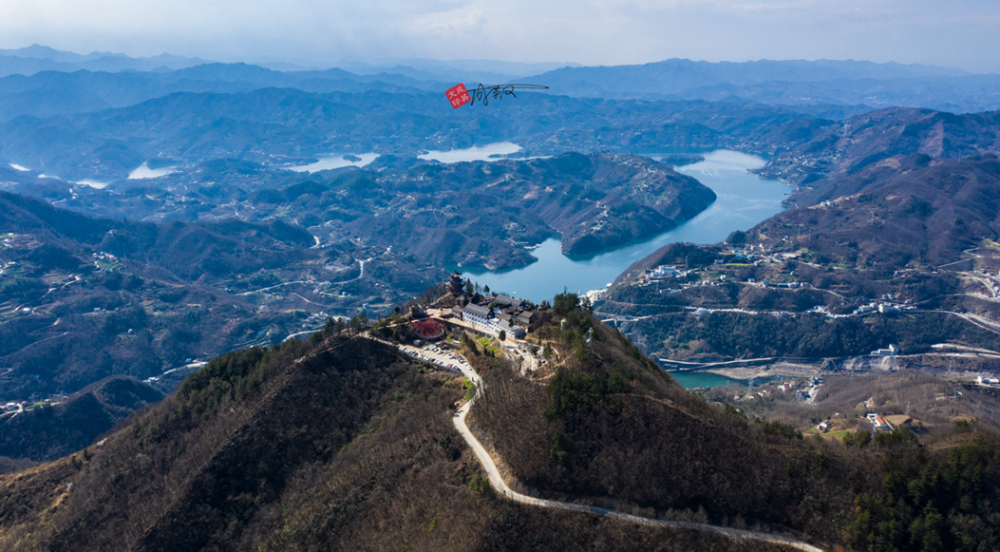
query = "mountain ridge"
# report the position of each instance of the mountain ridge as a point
(346, 435)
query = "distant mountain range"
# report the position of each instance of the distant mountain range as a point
(59, 93)
(861, 84)
(794, 82)
(485, 71)
(673, 76)
(36, 58)
(278, 126)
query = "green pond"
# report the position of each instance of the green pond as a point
(690, 380)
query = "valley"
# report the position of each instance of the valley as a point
(569, 435)
(742, 199)
(897, 250)
(702, 307)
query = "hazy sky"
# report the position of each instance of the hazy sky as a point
(954, 33)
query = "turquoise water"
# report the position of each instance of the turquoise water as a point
(690, 380)
(743, 201)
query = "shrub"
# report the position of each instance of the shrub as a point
(569, 391)
(479, 483)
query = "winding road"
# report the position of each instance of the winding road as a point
(501, 487)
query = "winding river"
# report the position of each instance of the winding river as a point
(743, 201)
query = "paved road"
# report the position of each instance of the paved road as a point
(190, 366)
(264, 290)
(983, 323)
(311, 283)
(501, 487)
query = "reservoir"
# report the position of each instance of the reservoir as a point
(475, 153)
(144, 172)
(744, 200)
(91, 183)
(335, 161)
(691, 380)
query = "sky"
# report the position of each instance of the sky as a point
(962, 34)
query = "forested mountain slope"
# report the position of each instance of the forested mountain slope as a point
(85, 298)
(335, 444)
(902, 209)
(606, 423)
(342, 443)
(51, 432)
(843, 149)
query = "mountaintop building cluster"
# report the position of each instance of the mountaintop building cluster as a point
(491, 313)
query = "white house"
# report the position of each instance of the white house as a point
(485, 319)
(480, 316)
(511, 329)
(664, 272)
(988, 382)
(893, 350)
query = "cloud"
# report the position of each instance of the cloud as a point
(450, 24)
(956, 33)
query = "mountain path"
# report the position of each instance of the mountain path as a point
(496, 480)
(500, 486)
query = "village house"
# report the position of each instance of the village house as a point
(878, 422)
(988, 382)
(664, 272)
(893, 350)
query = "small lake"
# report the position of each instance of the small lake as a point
(691, 380)
(92, 183)
(475, 153)
(335, 161)
(744, 200)
(144, 172)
